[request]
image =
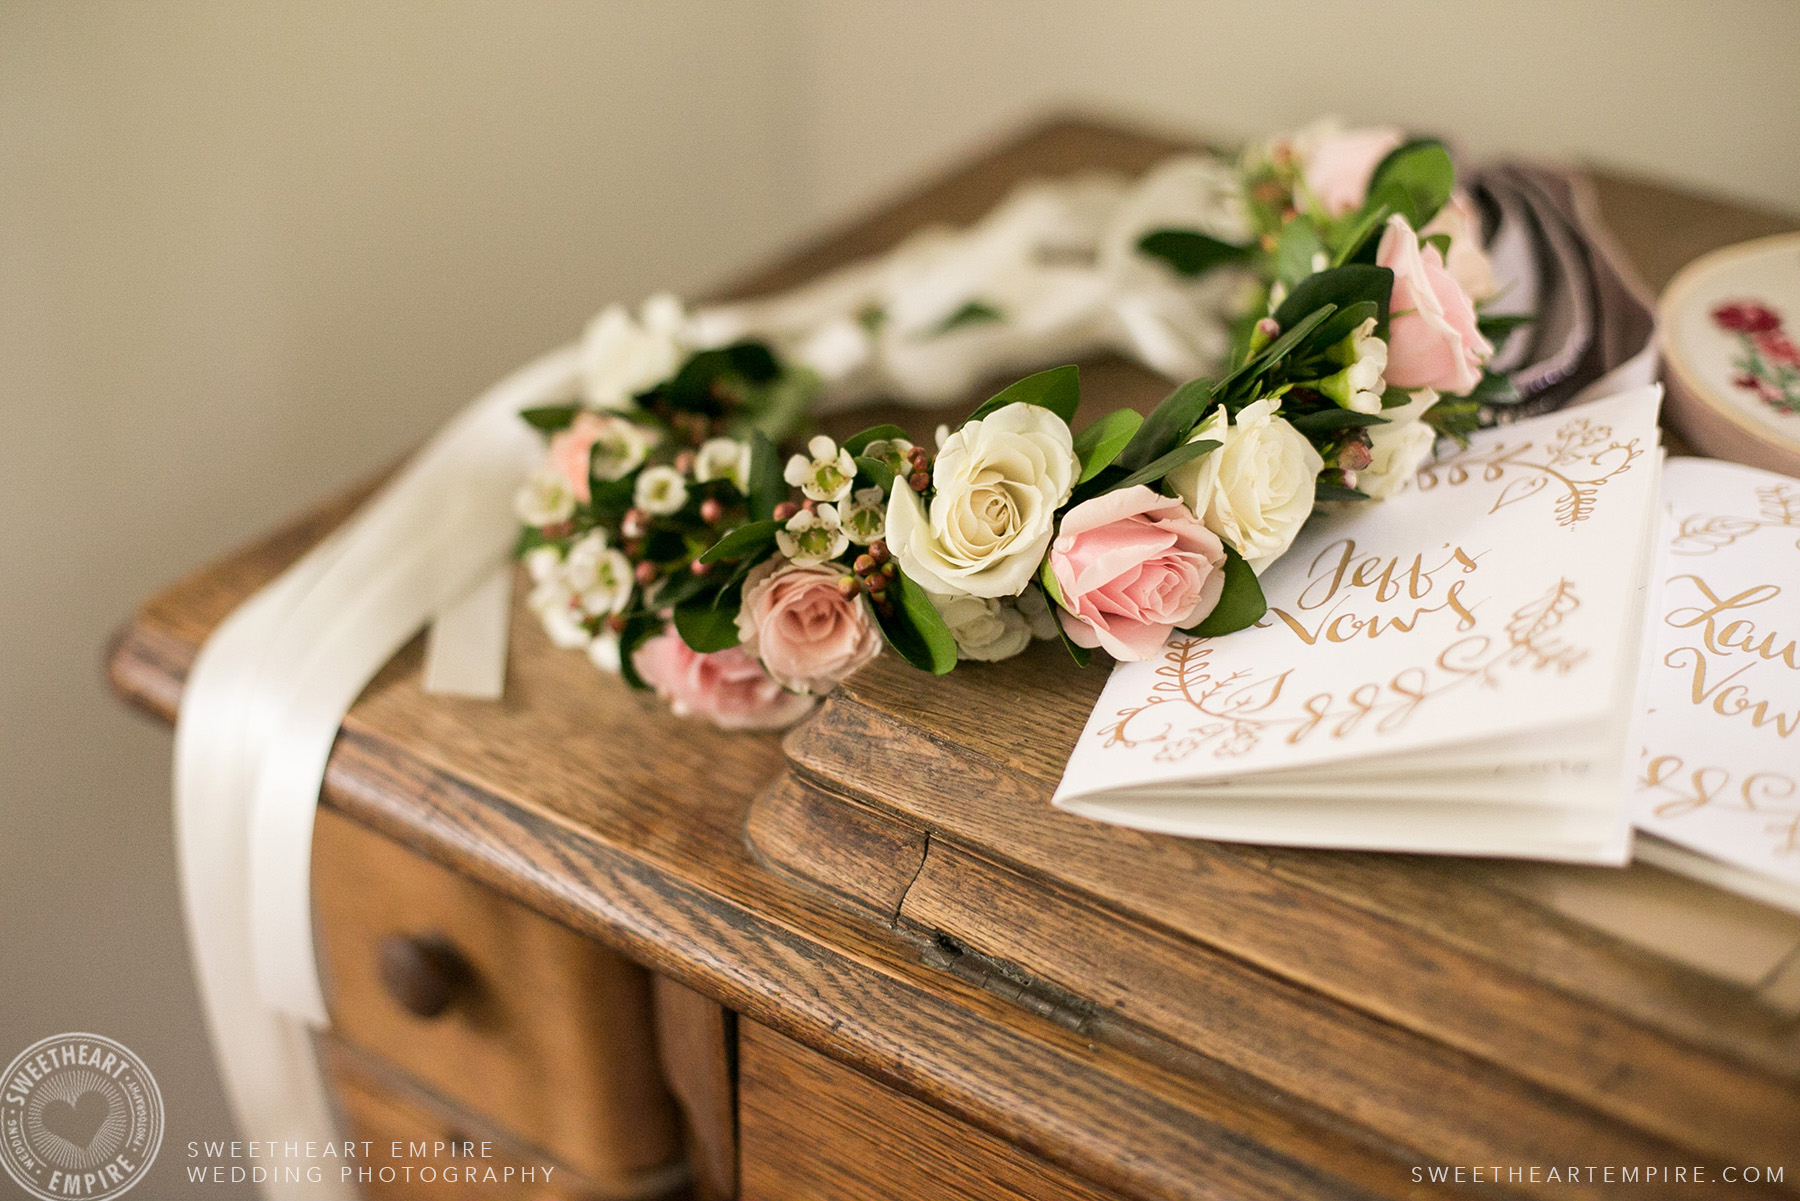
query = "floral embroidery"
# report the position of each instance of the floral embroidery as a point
(1768, 362)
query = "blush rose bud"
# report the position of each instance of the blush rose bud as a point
(711, 510)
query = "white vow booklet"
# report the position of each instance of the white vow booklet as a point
(1717, 785)
(1451, 670)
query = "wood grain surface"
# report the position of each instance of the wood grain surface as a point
(817, 1131)
(1219, 1023)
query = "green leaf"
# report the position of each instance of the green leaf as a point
(1162, 466)
(550, 418)
(529, 539)
(915, 629)
(1355, 235)
(1326, 420)
(1495, 388)
(1047, 578)
(879, 473)
(1190, 252)
(754, 361)
(1100, 443)
(976, 312)
(1058, 389)
(679, 588)
(1343, 323)
(706, 629)
(1168, 424)
(878, 433)
(1498, 327)
(1340, 286)
(640, 628)
(1414, 180)
(1278, 349)
(767, 487)
(1295, 250)
(744, 540)
(1240, 605)
(1324, 491)
(1441, 241)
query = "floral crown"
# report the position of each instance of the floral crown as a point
(666, 534)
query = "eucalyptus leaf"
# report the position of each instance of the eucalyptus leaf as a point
(550, 418)
(744, 540)
(706, 629)
(1191, 252)
(1240, 605)
(1155, 471)
(1058, 389)
(1414, 180)
(1100, 443)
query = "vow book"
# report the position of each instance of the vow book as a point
(1717, 788)
(1452, 670)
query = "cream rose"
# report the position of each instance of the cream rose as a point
(1256, 490)
(1399, 447)
(985, 629)
(999, 481)
(622, 356)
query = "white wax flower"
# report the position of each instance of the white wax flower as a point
(724, 459)
(544, 499)
(814, 536)
(894, 452)
(1359, 386)
(1398, 448)
(622, 356)
(985, 629)
(599, 575)
(603, 651)
(999, 481)
(827, 475)
(660, 490)
(542, 563)
(864, 516)
(559, 610)
(1257, 489)
(619, 448)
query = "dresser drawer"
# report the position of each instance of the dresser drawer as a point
(543, 1033)
(811, 1129)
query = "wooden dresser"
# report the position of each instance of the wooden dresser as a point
(871, 962)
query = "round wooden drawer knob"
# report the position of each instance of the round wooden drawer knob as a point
(424, 974)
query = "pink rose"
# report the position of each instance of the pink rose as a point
(1467, 261)
(807, 633)
(1132, 566)
(569, 449)
(1337, 168)
(728, 688)
(1432, 338)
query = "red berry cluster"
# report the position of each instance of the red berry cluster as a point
(874, 573)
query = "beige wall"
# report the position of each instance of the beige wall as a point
(249, 252)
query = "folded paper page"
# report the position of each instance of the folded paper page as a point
(1451, 671)
(1718, 777)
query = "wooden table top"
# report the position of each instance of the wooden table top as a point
(1302, 1024)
